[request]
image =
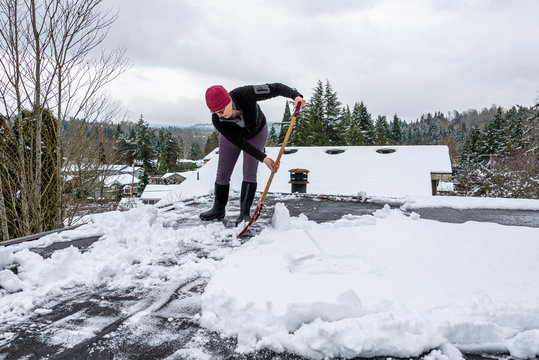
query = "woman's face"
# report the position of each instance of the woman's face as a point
(226, 112)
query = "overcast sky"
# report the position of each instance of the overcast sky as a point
(407, 57)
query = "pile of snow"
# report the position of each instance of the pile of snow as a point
(380, 285)
(155, 192)
(136, 250)
(460, 202)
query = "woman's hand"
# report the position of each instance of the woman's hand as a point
(271, 164)
(300, 100)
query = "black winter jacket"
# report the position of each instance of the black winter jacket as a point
(245, 99)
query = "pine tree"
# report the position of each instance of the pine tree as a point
(355, 136)
(212, 143)
(396, 134)
(169, 153)
(382, 130)
(309, 121)
(125, 146)
(273, 138)
(471, 149)
(344, 126)
(284, 124)
(314, 112)
(102, 155)
(173, 154)
(332, 117)
(495, 139)
(366, 125)
(515, 118)
(195, 152)
(145, 151)
(160, 144)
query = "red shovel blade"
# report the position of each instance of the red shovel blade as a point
(255, 216)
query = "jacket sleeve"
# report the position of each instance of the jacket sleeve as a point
(233, 134)
(268, 91)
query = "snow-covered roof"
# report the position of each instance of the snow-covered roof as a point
(106, 167)
(156, 192)
(394, 171)
(167, 175)
(129, 169)
(122, 179)
(189, 161)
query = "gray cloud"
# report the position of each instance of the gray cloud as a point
(399, 57)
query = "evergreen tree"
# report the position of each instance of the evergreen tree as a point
(515, 132)
(145, 151)
(284, 124)
(308, 130)
(396, 134)
(314, 113)
(355, 136)
(181, 150)
(366, 125)
(124, 146)
(102, 156)
(382, 130)
(170, 151)
(345, 124)
(23, 130)
(160, 144)
(273, 138)
(212, 143)
(471, 149)
(495, 139)
(332, 117)
(195, 152)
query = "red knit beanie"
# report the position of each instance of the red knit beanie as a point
(217, 98)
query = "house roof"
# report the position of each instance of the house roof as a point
(167, 175)
(157, 192)
(122, 179)
(393, 171)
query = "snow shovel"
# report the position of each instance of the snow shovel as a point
(261, 201)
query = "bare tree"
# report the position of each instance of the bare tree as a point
(53, 69)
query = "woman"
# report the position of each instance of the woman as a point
(242, 127)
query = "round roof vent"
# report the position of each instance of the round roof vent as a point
(334, 151)
(290, 151)
(385, 151)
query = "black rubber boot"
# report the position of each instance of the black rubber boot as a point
(248, 190)
(217, 212)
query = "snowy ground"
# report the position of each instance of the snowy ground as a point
(155, 283)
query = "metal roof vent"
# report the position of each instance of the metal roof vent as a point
(334, 151)
(290, 151)
(385, 151)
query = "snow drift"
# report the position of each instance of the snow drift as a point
(386, 285)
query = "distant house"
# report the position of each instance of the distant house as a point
(153, 193)
(121, 185)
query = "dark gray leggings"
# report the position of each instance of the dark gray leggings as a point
(229, 153)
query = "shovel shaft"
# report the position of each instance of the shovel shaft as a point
(277, 161)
